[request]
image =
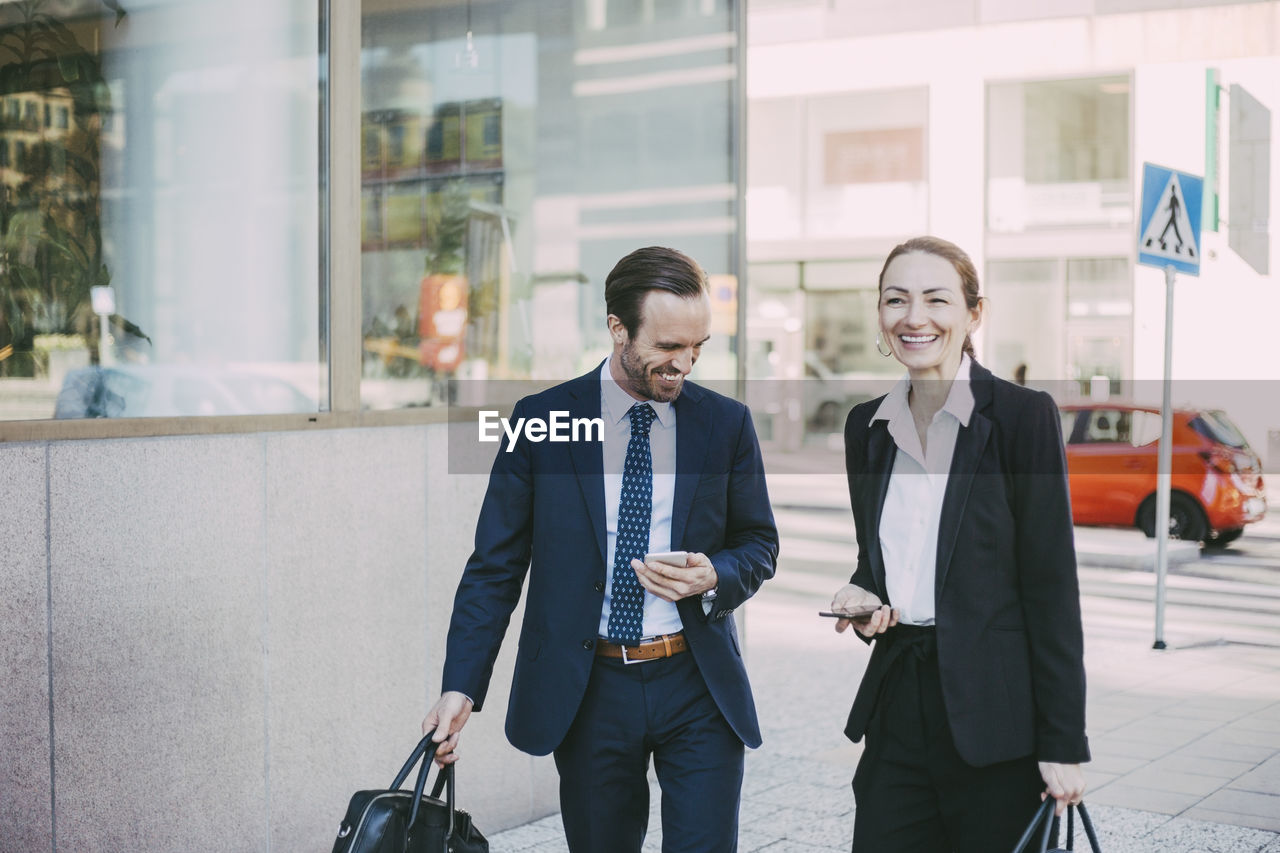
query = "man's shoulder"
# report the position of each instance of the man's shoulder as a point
(702, 394)
(562, 393)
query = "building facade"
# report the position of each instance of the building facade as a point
(1018, 131)
(251, 254)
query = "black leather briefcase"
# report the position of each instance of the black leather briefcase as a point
(393, 820)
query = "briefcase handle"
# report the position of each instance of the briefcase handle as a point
(426, 750)
(1047, 823)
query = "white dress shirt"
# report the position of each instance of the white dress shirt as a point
(660, 617)
(913, 504)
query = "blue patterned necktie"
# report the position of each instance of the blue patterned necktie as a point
(635, 510)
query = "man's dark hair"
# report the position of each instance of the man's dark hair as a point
(652, 268)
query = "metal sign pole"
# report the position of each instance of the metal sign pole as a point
(1165, 464)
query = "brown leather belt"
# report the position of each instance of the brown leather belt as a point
(663, 646)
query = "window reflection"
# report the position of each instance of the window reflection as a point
(1060, 319)
(159, 209)
(509, 158)
(1058, 154)
(812, 335)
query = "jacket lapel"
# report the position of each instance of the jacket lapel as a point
(971, 442)
(588, 456)
(693, 435)
(881, 452)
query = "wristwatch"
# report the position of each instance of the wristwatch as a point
(710, 595)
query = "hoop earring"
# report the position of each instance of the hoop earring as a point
(882, 352)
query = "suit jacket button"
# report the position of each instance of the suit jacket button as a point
(588, 644)
(599, 586)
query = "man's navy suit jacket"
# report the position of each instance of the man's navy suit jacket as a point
(544, 515)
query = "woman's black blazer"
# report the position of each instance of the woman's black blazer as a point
(1007, 601)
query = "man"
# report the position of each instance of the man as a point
(621, 659)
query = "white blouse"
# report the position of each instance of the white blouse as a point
(913, 504)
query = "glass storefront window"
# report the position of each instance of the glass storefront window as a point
(846, 165)
(160, 210)
(1099, 287)
(1060, 319)
(1058, 154)
(163, 197)
(510, 158)
(1022, 321)
(813, 324)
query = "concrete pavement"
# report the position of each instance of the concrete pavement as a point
(1186, 741)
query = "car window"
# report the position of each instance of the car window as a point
(1068, 423)
(1108, 426)
(1217, 427)
(1146, 428)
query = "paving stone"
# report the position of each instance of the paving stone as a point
(1260, 722)
(1244, 803)
(1263, 779)
(1095, 780)
(1107, 762)
(1271, 711)
(1167, 733)
(1212, 746)
(1129, 748)
(1240, 732)
(1265, 822)
(1200, 765)
(1159, 779)
(1146, 799)
(1203, 713)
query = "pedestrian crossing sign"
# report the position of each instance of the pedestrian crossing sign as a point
(1169, 234)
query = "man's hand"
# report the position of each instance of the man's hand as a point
(447, 717)
(852, 597)
(672, 583)
(1063, 782)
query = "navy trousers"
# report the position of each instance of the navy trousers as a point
(631, 711)
(914, 793)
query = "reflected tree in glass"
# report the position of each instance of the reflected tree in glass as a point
(51, 253)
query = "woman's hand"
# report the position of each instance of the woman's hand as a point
(1063, 782)
(851, 597)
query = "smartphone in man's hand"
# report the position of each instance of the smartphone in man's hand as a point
(671, 558)
(857, 614)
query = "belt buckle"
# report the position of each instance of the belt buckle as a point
(627, 660)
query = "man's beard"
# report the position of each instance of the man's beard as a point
(643, 381)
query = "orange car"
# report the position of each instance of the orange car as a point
(1112, 449)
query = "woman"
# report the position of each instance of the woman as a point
(972, 704)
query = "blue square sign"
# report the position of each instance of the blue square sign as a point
(1169, 227)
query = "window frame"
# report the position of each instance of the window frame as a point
(341, 151)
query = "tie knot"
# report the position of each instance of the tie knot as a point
(642, 416)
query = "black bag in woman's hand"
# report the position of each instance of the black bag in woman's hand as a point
(1047, 824)
(397, 821)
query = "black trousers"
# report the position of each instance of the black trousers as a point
(913, 791)
(630, 712)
